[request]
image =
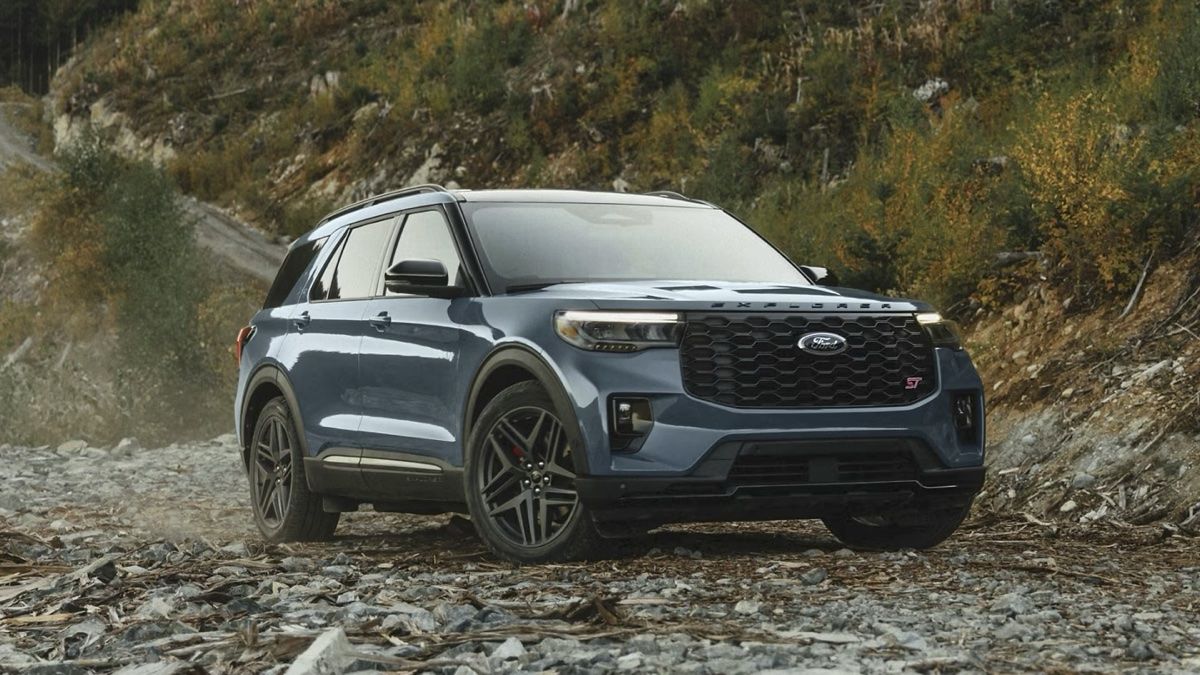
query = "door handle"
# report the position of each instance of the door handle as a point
(302, 321)
(381, 321)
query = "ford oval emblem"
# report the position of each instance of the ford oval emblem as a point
(824, 344)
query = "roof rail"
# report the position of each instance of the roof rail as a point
(671, 194)
(383, 197)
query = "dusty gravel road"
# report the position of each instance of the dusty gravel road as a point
(111, 558)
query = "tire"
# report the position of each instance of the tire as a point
(284, 509)
(918, 530)
(524, 511)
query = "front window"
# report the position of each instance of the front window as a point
(426, 236)
(525, 245)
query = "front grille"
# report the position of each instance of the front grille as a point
(750, 360)
(797, 469)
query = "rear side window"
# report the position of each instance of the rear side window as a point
(352, 270)
(297, 261)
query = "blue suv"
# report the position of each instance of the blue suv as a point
(568, 366)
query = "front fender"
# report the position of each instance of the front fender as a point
(535, 361)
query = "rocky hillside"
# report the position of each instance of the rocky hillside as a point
(1030, 166)
(1094, 412)
(903, 145)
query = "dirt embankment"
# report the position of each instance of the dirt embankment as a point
(1094, 415)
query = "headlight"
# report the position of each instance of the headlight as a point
(618, 331)
(943, 332)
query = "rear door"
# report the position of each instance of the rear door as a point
(411, 355)
(325, 335)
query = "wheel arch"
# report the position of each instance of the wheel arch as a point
(266, 384)
(508, 365)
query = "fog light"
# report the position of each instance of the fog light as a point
(964, 416)
(630, 419)
(632, 416)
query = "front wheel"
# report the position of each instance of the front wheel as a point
(918, 530)
(520, 480)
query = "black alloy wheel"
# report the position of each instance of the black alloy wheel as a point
(272, 472)
(521, 468)
(284, 508)
(526, 483)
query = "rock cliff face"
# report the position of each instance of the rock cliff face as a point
(116, 126)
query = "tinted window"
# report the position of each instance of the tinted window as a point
(297, 261)
(542, 243)
(426, 236)
(320, 289)
(351, 272)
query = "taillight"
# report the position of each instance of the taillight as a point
(243, 337)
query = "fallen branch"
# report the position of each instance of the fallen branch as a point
(1007, 258)
(1069, 573)
(1045, 569)
(227, 94)
(1137, 290)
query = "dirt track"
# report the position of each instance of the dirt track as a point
(118, 557)
(241, 246)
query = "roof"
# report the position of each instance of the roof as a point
(578, 197)
(428, 195)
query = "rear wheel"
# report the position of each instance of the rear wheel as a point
(284, 509)
(520, 480)
(917, 530)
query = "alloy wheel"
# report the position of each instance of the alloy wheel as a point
(527, 481)
(272, 472)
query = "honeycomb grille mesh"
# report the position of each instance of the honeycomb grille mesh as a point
(749, 360)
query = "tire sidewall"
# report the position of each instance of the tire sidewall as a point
(935, 528)
(574, 540)
(278, 409)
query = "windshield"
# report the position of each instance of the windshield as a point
(528, 245)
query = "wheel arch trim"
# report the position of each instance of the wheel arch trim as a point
(272, 374)
(544, 373)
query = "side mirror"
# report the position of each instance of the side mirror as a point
(420, 277)
(821, 276)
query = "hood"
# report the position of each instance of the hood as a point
(688, 295)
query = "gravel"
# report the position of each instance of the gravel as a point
(144, 561)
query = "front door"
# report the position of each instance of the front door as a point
(410, 358)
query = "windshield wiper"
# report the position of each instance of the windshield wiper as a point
(518, 288)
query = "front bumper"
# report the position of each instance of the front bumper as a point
(778, 480)
(686, 429)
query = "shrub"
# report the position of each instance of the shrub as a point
(729, 175)
(481, 56)
(123, 257)
(1078, 159)
(1177, 88)
(151, 258)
